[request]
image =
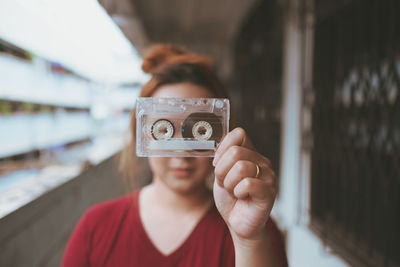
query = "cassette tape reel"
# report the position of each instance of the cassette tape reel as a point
(180, 127)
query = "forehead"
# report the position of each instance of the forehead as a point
(182, 90)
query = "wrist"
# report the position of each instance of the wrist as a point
(255, 251)
(256, 240)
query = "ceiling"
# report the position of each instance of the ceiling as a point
(205, 26)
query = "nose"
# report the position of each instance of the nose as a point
(181, 161)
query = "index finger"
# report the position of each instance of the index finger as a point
(237, 137)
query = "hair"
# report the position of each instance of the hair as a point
(169, 64)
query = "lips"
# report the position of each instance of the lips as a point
(182, 172)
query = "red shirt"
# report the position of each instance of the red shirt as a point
(111, 234)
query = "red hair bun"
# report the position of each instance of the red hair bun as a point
(162, 56)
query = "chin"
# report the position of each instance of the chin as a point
(186, 187)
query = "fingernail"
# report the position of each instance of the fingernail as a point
(216, 158)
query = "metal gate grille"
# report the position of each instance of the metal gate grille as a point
(355, 204)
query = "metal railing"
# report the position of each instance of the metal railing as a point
(355, 183)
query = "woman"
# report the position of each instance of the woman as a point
(177, 220)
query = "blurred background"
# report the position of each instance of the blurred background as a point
(316, 83)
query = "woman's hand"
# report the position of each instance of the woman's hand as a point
(243, 195)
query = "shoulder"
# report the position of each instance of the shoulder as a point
(96, 231)
(106, 212)
(109, 207)
(277, 242)
(274, 231)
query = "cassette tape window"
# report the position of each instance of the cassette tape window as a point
(192, 213)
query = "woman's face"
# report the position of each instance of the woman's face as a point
(182, 175)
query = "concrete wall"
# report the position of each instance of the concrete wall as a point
(36, 234)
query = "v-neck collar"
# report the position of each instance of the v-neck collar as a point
(145, 238)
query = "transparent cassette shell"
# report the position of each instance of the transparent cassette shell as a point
(180, 127)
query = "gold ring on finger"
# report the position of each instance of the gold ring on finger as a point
(258, 171)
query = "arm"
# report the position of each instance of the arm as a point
(244, 193)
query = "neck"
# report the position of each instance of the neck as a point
(185, 202)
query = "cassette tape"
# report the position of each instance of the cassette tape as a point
(180, 127)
